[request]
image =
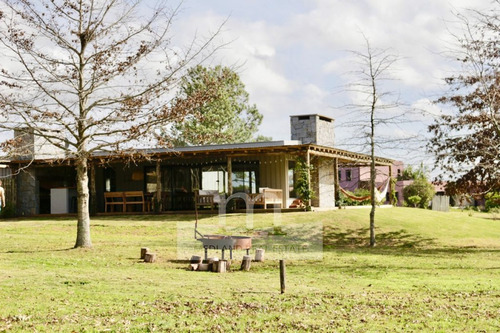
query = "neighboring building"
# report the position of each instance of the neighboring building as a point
(352, 177)
(228, 168)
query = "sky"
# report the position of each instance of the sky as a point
(295, 57)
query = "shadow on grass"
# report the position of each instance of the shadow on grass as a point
(354, 238)
(39, 251)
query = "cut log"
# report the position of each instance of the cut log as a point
(212, 264)
(203, 267)
(193, 267)
(221, 266)
(259, 255)
(195, 260)
(246, 263)
(144, 250)
(150, 257)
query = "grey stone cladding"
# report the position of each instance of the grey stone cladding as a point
(314, 128)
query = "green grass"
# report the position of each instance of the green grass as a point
(429, 272)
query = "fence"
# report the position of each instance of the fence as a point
(441, 203)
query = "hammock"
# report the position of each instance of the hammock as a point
(380, 193)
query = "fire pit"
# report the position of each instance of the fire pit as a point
(221, 242)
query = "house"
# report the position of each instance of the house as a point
(352, 177)
(47, 185)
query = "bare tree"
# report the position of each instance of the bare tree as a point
(102, 72)
(374, 108)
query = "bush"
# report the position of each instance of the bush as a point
(414, 200)
(492, 201)
(421, 188)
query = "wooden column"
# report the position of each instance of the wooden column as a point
(93, 195)
(390, 184)
(158, 203)
(229, 176)
(308, 163)
(336, 177)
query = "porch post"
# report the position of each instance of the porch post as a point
(93, 195)
(229, 176)
(158, 202)
(336, 177)
(390, 184)
(308, 162)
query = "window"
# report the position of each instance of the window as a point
(109, 180)
(348, 176)
(244, 177)
(214, 178)
(150, 179)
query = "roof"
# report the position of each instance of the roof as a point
(239, 150)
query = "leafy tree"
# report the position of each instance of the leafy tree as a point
(226, 118)
(98, 71)
(410, 173)
(466, 142)
(421, 188)
(414, 200)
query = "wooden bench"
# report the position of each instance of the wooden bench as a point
(268, 196)
(124, 199)
(207, 198)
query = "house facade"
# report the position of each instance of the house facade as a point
(172, 176)
(352, 177)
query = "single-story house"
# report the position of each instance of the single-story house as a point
(47, 186)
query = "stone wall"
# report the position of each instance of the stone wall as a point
(326, 183)
(313, 129)
(27, 193)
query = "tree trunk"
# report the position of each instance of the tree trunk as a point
(373, 170)
(82, 187)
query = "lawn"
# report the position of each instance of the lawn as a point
(430, 271)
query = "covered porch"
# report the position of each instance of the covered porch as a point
(166, 180)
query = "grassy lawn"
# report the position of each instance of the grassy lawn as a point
(429, 272)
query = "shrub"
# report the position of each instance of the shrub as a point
(414, 200)
(421, 188)
(492, 201)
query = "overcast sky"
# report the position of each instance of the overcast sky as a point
(293, 55)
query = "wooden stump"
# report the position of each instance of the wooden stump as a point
(246, 263)
(193, 267)
(150, 257)
(220, 266)
(259, 255)
(212, 264)
(144, 250)
(203, 267)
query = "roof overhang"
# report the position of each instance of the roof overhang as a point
(227, 150)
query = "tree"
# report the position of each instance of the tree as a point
(375, 107)
(225, 119)
(99, 71)
(466, 141)
(419, 188)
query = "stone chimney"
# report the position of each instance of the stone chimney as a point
(313, 128)
(32, 146)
